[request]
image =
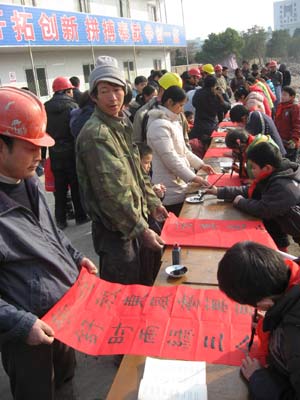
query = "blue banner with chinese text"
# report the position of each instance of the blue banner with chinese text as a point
(32, 26)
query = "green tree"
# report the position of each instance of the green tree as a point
(294, 48)
(278, 45)
(255, 43)
(219, 46)
(296, 33)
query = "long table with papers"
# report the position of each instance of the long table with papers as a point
(223, 382)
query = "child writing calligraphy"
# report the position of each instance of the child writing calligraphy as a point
(273, 196)
(250, 273)
(240, 141)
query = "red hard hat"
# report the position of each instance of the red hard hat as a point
(273, 63)
(218, 67)
(23, 116)
(195, 72)
(61, 83)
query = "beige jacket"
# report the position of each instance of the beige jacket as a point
(172, 160)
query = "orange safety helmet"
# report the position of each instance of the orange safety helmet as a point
(61, 83)
(218, 67)
(23, 116)
(194, 72)
(273, 63)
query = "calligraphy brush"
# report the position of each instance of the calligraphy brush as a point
(253, 330)
(211, 185)
(223, 170)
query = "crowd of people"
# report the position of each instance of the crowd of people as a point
(128, 153)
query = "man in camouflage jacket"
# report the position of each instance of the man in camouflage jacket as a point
(118, 197)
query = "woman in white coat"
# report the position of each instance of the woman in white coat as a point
(173, 163)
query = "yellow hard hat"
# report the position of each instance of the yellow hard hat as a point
(209, 69)
(170, 79)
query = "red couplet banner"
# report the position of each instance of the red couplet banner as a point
(213, 233)
(98, 317)
(225, 180)
(218, 152)
(225, 124)
(218, 134)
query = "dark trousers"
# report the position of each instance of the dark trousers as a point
(280, 238)
(122, 260)
(63, 166)
(39, 372)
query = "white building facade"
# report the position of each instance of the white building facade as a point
(287, 15)
(43, 39)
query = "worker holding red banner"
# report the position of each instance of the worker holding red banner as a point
(118, 196)
(38, 263)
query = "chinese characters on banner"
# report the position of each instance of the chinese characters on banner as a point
(214, 233)
(99, 317)
(38, 27)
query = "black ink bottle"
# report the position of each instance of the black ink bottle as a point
(176, 255)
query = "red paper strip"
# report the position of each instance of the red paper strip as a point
(218, 152)
(213, 233)
(218, 134)
(225, 124)
(226, 180)
(97, 317)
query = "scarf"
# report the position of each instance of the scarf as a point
(263, 175)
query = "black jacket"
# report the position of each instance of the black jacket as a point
(207, 107)
(276, 197)
(281, 381)
(58, 110)
(38, 263)
(79, 118)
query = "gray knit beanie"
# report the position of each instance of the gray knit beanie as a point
(106, 70)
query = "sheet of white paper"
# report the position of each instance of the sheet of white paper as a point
(225, 164)
(175, 370)
(172, 391)
(173, 380)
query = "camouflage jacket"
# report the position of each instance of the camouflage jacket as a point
(108, 165)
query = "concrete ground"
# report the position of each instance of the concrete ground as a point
(94, 375)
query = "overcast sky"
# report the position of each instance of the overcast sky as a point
(203, 17)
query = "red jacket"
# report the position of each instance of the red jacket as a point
(287, 120)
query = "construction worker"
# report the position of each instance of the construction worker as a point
(62, 154)
(38, 263)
